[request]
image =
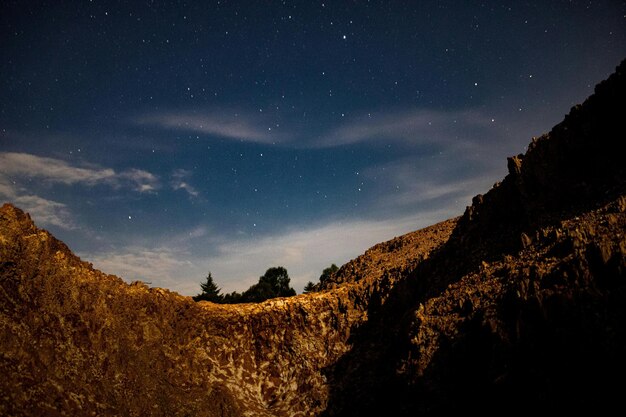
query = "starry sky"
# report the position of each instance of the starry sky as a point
(162, 140)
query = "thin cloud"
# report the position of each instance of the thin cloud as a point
(45, 212)
(237, 263)
(57, 171)
(418, 126)
(167, 263)
(180, 182)
(162, 267)
(140, 180)
(17, 168)
(305, 252)
(243, 126)
(413, 182)
(52, 170)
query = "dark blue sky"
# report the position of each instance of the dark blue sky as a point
(161, 140)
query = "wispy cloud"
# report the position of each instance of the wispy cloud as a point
(16, 169)
(52, 170)
(139, 180)
(412, 183)
(45, 212)
(238, 125)
(306, 252)
(414, 126)
(162, 267)
(237, 262)
(425, 186)
(180, 178)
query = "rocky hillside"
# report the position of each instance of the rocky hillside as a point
(519, 305)
(74, 340)
(525, 303)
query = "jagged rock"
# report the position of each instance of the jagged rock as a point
(526, 240)
(517, 306)
(514, 164)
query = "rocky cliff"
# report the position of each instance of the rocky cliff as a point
(523, 306)
(77, 341)
(518, 305)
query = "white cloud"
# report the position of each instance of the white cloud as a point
(43, 211)
(416, 126)
(46, 212)
(140, 180)
(306, 252)
(237, 263)
(52, 170)
(412, 182)
(433, 187)
(180, 182)
(161, 267)
(240, 125)
(16, 168)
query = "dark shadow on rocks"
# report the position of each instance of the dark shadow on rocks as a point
(577, 167)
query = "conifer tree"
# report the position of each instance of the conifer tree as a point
(210, 291)
(309, 287)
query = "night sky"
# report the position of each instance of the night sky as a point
(163, 140)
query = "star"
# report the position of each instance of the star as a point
(272, 98)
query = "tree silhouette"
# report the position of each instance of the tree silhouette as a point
(210, 291)
(278, 280)
(309, 287)
(232, 298)
(328, 272)
(274, 283)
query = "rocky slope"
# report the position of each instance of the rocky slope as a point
(518, 305)
(76, 341)
(524, 303)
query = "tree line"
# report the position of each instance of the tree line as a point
(274, 283)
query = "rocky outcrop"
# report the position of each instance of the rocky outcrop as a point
(524, 303)
(77, 341)
(518, 305)
(532, 329)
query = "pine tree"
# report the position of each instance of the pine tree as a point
(309, 287)
(210, 291)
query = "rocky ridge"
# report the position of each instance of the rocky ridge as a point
(519, 301)
(77, 341)
(459, 333)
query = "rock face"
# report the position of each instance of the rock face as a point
(518, 305)
(76, 341)
(524, 305)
